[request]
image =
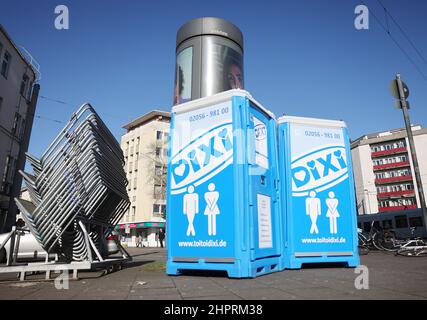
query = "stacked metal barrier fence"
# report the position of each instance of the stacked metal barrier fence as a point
(78, 189)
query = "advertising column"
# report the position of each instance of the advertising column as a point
(209, 59)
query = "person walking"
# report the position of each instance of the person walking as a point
(161, 237)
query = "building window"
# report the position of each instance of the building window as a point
(158, 151)
(5, 64)
(6, 168)
(8, 173)
(159, 210)
(127, 149)
(133, 212)
(166, 137)
(159, 135)
(401, 221)
(21, 131)
(16, 122)
(134, 183)
(1, 102)
(158, 189)
(137, 146)
(29, 91)
(158, 171)
(156, 208)
(24, 84)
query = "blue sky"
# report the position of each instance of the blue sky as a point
(302, 58)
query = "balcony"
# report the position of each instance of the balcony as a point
(397, 194)
(397, 208)
(388, 152)
(391, 165)
(393, 179)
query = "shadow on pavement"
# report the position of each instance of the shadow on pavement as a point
(144, 254)
(133, 264)
(204, 273)
(324, 265)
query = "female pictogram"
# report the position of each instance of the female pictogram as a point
(332, 213)
(212, 210)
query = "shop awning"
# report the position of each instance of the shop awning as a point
(141, 225)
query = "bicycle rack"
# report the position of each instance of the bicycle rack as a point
(78, 194)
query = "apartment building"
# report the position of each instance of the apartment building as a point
(18, 98)
(384, 173)
(145, 149)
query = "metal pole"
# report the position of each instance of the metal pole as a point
(404, 106)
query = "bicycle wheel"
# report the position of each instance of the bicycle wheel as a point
(377, 239)
(385, 241)
(389, 242)
(412, 252)
(362, 240)
(406, 252)
(422, 253)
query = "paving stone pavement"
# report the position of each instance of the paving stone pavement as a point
(390, 277)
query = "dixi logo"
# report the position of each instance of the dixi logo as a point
(260, 131)
(318, 170)
(204, 157)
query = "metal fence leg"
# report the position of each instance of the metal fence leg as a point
(6, 239)
(91, 244)
(86, 238)
(11, 247)
(16, 249)
(123, 251)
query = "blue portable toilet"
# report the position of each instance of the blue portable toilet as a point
(317, 193)
(222, 191)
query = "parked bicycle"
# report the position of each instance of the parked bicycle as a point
(413, 247)
(383, 239)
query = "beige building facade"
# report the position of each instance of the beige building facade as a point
(145, 146)
(384, 173)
